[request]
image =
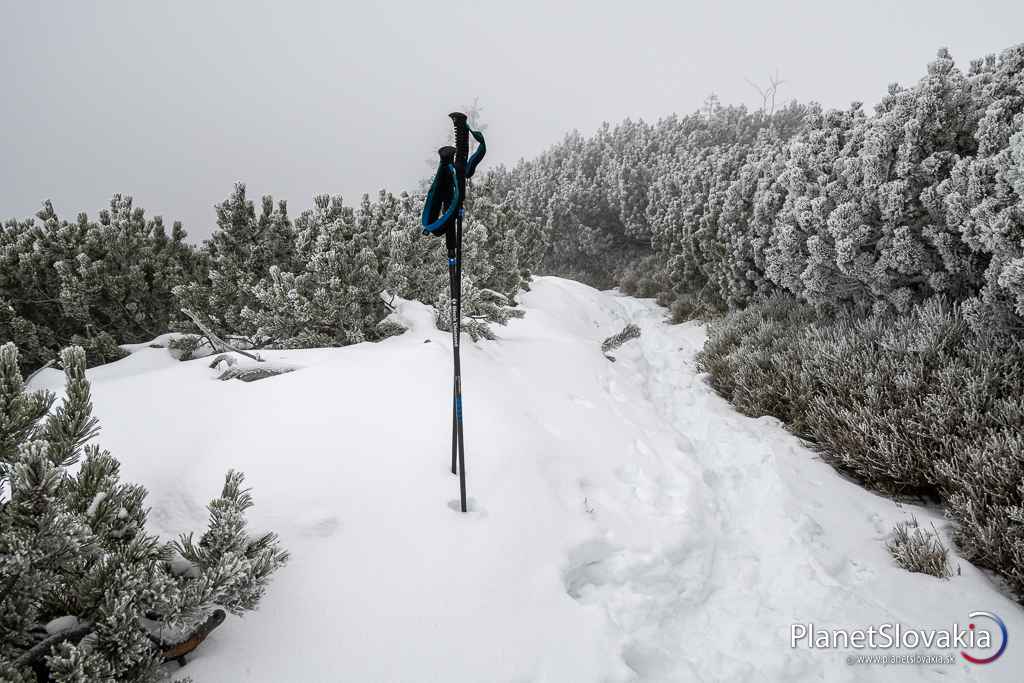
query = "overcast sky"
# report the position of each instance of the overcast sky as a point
(173, 102)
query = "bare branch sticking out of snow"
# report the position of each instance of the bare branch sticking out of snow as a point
(613, 342)
(252, 374)
(218, 343)
(28, 380)
(223, 358)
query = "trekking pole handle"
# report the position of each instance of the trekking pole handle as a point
(461, 140)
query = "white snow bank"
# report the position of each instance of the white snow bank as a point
(627, 524)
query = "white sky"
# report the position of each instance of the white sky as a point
(174, 102)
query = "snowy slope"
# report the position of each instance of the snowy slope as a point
(628, 524)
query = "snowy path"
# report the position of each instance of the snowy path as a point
(629, 525)
(721, 531)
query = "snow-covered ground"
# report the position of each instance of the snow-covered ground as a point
(627, 523)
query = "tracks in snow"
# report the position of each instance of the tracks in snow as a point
(706, 548)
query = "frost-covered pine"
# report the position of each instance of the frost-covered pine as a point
(38, 340)
(577, 199)
(123, 273)
(483, 265)
(81, 581)
(745, 219)
(909, 147)
(984, 196)
(95, 284)
(499, 222)
(919, 199)
(480, 308)
(417, 269)
(228, 567)
(240, 252)
(800, 251)
(340, 268)
(334, 295)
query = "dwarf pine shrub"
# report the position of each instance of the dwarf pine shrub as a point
(85, 591)
(918, 403)
(89, 283)
(752, 358)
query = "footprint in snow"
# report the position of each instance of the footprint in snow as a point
(321, 528)
(641, 447)
(685, 444)
(858, 572)
(613, 390)
(879, 524)
(580, 401)
(586, 566)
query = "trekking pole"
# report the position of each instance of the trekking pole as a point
(461, 154)
(442, 215)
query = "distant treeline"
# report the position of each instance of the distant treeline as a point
(328, 278)
(711, 210)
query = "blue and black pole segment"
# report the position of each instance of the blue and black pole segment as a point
(442, 215)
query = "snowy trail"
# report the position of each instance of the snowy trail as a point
(721, 531)
(628, 524)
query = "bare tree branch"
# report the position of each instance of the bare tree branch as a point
(37, 651)
(768, 92)
(216, 342)
(37, 371)
(760, 91)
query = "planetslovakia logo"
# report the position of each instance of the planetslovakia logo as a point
(978, 638)
(1002, 647)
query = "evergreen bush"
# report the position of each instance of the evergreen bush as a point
(86, 593)
(910, 404)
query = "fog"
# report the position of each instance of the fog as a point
(173, 103)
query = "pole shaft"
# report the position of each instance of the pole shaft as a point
(453, 291)
(458, 365)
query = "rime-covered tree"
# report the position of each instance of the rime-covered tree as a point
(480, 304)
(335, 298)
(722, 206)
(86, 594)
(984, 197)
(799, 243)
(500, 222)
(886, 232)
(121, 277)
(241, 251)
(92, 283)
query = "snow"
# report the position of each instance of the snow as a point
(180, 566)
(97, 500)
(61, 624)
(626, 523)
